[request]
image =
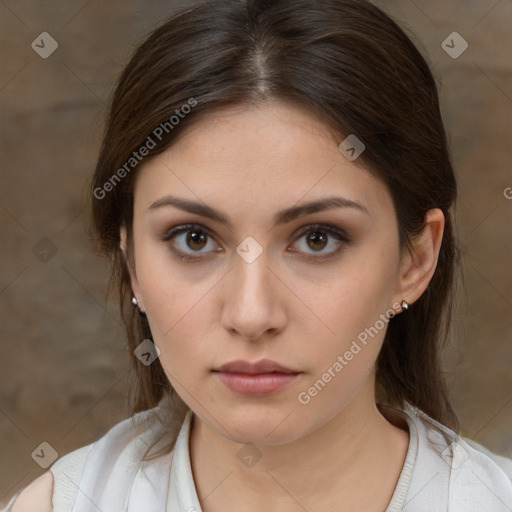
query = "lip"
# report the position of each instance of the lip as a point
(262, 366)
(255, 379)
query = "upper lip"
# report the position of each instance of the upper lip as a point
(263, 366)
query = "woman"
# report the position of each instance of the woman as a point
(276, 194)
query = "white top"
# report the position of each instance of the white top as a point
(110, 473)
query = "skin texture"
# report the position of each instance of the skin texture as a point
(338, 450)
(36, 497)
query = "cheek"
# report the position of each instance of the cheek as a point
(344, 359)
(167, 294)
(356, 308)
(178, 313)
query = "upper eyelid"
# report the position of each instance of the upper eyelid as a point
(298, 232)
(319, 225)
(183, 228)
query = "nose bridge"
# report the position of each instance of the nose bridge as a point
(250, 307)
(251, 273)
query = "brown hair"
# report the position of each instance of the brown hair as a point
(352, 66)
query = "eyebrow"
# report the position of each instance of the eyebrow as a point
(281, 217)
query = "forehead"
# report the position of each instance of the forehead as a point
(265, 157)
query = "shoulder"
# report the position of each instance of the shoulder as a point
(125, 443)
(474, 476)
(458, 451)
(51, 489)
(502, 462)
(37, 496)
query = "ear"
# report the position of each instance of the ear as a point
(131, 267)
(418, 266)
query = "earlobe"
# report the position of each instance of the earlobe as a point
(419, 264)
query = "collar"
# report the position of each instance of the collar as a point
(441, 472)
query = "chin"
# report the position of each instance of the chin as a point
(259, 424)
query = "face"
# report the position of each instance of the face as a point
(313, 292)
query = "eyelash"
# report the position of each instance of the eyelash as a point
(323, 228)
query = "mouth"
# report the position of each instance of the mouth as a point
(255, 379)
(259, 367)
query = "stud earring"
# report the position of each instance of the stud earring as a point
(405, 305)
(135, 302)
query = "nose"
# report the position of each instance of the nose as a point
(253, 305)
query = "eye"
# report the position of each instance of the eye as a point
(190, 236)
(319, 236)
(197, 238)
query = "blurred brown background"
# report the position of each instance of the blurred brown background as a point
(64, 371)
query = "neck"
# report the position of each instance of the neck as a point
(345, 457)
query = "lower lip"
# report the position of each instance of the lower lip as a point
(256, 384)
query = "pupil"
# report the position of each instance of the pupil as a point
(316, 236)
(193, 237)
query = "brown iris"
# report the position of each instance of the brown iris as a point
(316, 236)
(196, 237)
